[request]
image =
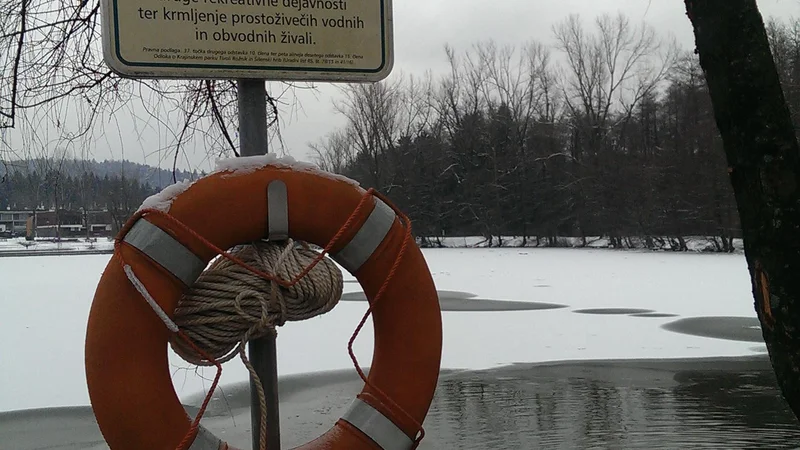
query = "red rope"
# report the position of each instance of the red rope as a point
(225, 254)
(404, 246)
(189, 437)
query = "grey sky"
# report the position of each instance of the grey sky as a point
(422, 28)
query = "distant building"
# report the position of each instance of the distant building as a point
(50, 224)
(99, 223)
(70, 224)
(14, 223)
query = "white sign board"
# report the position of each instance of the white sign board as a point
(309, 40)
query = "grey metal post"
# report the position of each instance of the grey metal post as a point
(262, 352)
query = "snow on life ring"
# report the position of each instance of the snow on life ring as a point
(127, 371)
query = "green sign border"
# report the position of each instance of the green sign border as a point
(257, 68)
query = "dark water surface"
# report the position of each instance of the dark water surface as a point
(614, 311)
(465, 301)
(645, 404)
(722, 404)
(746, 329)
(728, 403)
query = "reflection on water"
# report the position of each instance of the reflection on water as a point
(609, 407)
(720, 403)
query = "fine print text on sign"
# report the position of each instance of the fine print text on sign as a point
(323, 40)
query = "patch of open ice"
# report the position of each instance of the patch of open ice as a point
(471, 340)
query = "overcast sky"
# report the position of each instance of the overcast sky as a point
(421, 29)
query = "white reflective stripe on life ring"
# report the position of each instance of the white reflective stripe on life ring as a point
(166, 251)
(377, 427)
(205, 440)
(277, 211)
(368, 238)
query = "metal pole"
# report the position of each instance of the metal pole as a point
(252, 98)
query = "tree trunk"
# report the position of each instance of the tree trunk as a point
(58, 212)
(764, 167)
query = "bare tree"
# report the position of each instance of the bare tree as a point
(613, 68)
(373, 113)
(54, 78)
(607, 74)
(417, 112)
(460, 93)
(764, 165)
(784, 39)
(500, 144)
(335, 152)
(518, 91)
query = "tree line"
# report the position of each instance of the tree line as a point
(69, 184)
(610, 132)
(66, 164)
(53, 189)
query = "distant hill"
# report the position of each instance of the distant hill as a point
(153, 177)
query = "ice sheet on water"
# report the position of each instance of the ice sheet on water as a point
(36, 375)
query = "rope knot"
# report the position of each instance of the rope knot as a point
(229, 305)
(261, 322)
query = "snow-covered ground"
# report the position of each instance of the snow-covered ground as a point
(46, 245)
(44, 304)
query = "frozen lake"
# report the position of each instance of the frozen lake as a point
(584, 304)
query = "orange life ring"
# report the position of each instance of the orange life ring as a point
(127, 371)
